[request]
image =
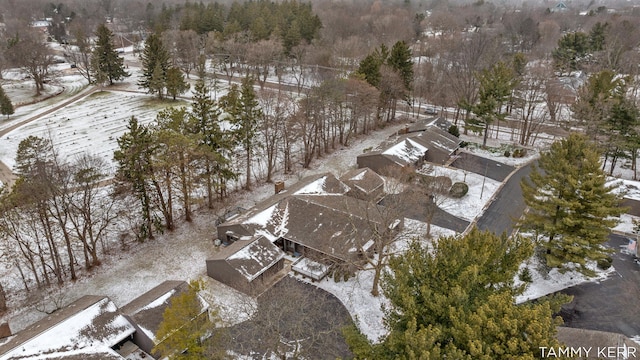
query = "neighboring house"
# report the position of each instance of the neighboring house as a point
(89, 328)
(146, 312)
(316, 219)
(430, 142)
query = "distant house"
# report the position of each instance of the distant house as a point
(146, 312)
(428, 142)
(89, 328)
(315, 219)
(560, 7)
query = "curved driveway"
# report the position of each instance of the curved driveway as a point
(507, 206)
(610, 305)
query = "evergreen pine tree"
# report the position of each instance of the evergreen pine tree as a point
(155, 63)
(216, 146)
(370, 69)
(186, 332)
(133, 158)
(456, 301)
(245, 113)
(400, 60)
(570, 204)
(6, 107)
(496, 84)
(176, 83)
(106, 65)
(158, 81)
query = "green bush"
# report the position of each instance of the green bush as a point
(525, 276)
(459, 190)
(453, 130)
(604, 264)
(507, 153)
(518, 153)
(464, 144)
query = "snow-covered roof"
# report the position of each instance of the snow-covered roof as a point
(255, 258)
(146, 311)
(406, 151)
(364, 179)
(306, 215)
(427, 140)
(85, 329)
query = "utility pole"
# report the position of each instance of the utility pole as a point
(486, 167)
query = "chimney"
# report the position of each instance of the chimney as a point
(278, 186)
(5, 331)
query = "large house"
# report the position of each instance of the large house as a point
(321, 219)
(426, 142)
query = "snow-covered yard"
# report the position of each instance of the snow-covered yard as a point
(95, 122)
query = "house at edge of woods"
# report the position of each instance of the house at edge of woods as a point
(422, 142)
(320, 222)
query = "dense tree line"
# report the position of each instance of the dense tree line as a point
(291, 22)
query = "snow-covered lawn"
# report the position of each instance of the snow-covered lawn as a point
(545, 284)
(91, 125)
(481, 190)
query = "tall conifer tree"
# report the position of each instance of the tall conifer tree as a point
(155, 64)
(570, 204)
(245, 113)
(6, 107)
(456, 300)
(106, 65)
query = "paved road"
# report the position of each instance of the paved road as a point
(611, 305)
(483, 166)
(507, 207)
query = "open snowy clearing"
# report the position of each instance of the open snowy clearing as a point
(91, 125)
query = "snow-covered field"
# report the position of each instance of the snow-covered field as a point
(90, 125)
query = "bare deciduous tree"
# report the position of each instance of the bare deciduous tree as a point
(29, 51)
(294, 320)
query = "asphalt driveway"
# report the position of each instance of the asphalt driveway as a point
(507, 207)
(610, 305)
(479, 165)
